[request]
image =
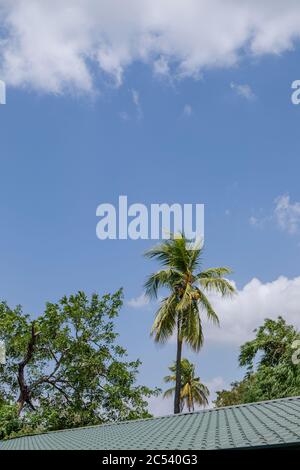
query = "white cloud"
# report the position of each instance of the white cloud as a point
(135, 98)
(240, 315)
(124, 116)
(243, 90)
(137, 103)
(287, 214)
(138, 302)
(52, 45)
(187, 110)
(161, 67)
(253, 220)
(260, 221)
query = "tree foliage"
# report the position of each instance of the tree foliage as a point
(270, 370)
(193, 391)
(65, 368)
(181, 311)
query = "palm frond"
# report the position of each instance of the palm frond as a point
(180, 254)
(200, 392)
(192, 389)
(173, 253)
(165, 320)
(214, 272)
(195, 257)
(186, 299)
(170, 378)
(191, 328)
(169, 392)
(207, 307)
(185, 391)
(163, 278)
(162, 252)
(187, 290)
(224, 287)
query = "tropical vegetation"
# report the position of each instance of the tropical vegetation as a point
(180, 312)
(65, 368)
(272, 366)
(193, 391)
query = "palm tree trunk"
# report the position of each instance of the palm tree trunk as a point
(178, 371)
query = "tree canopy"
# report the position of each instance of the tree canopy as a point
(270, 371)
(65, 368)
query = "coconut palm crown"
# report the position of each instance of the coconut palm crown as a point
(193, 391)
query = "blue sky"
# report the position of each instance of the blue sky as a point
(228, 139)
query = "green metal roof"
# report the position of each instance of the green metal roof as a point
(269, 423)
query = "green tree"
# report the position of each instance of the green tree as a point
(240, 392)
(65, 368)
(270, 370)
(192, 389)
(180, 310)
(10, 423)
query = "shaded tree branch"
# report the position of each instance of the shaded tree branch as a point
(24, 397)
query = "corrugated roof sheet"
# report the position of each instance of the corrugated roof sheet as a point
(269, 423)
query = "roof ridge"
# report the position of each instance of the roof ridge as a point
(158, 417)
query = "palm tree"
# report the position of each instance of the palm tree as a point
(181, 310)
(192, 390)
